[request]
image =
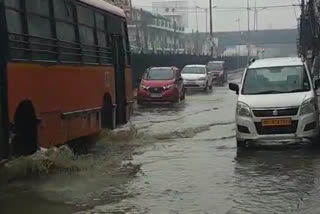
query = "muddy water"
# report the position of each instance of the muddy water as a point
(177, 159)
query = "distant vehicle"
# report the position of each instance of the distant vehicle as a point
(161, 85)
(277, 103)
(68, 71)
(196, 77)
(218, 72)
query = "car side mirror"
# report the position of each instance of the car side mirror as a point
(179, 79)
(317, 84)
(234, 87)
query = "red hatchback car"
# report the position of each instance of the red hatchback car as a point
(161, 85)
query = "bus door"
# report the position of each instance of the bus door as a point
(4, 120)
(120, 83)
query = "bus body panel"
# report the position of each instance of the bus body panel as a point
(129, 84)
(67, 98)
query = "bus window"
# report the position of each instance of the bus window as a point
(63, 10)
(38, 6)
(15, 28)
(114, 25)
(100, 22)
(86, 31)
(103, 43)
(66, 31)
(85, 16)
(40, 31)
(14, 21)
(13, 3)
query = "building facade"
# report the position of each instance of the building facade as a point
(176, 11)
(153, 33)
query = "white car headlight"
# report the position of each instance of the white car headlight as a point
(202, 79)
(309, 106)
(243, 110)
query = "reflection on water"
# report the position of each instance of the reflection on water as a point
(276, 181)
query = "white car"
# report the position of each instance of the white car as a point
(277, 103)
(196, 77)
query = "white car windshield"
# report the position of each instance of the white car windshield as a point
(193, 70)
(276, 80)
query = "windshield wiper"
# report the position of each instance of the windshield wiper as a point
(297, 90)
(267, 92)
(278, 92)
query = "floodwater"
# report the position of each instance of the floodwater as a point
(176, 159)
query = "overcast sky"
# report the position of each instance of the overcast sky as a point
(275, 18)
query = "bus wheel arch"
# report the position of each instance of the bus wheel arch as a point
(108, 119)
(24, 139)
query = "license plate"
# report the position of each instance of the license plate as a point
(156, 95)
(277, 122)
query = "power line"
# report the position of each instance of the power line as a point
(223, 8)
(220, 11)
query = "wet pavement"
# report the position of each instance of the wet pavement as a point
(170, 159)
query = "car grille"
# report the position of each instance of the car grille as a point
(156, 90)
(292, 129)
(276, 112)
(192, 85)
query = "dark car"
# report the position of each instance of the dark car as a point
(218, 72)
(161, 85)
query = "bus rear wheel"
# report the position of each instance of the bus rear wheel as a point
(25, 130)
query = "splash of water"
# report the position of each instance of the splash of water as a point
(44, 162)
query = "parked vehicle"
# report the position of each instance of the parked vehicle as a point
(218, 72)
(196, 77)
(161, 85)
(277, 102)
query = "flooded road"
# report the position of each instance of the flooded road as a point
(177, 159)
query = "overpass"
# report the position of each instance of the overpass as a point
(261, 37)
(273, 39)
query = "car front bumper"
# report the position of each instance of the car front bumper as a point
(169, 96)
(195, 84)
(218, 79)
(304, 127)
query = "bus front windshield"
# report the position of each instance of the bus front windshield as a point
(276, 80)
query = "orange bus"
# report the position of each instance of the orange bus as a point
(68, 71)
